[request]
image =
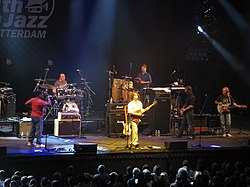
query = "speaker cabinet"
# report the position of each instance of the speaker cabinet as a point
(85, 148)
(24, 129)
(67, 127)
(8, 106)
(183, 145)
(115, 122)
(159, 116)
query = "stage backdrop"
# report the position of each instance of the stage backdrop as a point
(94, 36)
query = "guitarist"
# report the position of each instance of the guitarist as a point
(135, 111)
(187, 111)
(224, 101)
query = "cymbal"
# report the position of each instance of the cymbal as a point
(51, 79)
(38, 80)
(126, 77)
(86, 82)
(46, 86)
(72, 84)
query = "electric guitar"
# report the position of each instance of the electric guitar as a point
(126, 126)
(136, 117)
(225, 107)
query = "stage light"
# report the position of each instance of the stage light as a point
(200, 28)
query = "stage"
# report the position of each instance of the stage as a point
(112, 150)
(117, 143)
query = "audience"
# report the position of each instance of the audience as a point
(219, 175)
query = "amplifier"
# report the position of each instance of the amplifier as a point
(161, 93)
(68, 115)
(67, 127)
(24, 129)
(116, 107)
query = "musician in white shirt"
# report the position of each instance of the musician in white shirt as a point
(135, 111)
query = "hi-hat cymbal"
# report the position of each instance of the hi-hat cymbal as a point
(38, 80)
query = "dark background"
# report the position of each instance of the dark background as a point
(95, 35)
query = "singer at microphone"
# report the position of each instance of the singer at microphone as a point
(143, 78)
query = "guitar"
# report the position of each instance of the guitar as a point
(225, 107)
(182, 111)
(126, 126)
(136, 118)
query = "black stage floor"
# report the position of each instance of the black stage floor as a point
(118, 143)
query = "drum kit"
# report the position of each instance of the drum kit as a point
(122, 89)
(64, 99)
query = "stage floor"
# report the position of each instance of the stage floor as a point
(118, 143)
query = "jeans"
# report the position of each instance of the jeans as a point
(225, 121)
(36, 129)
(187, 121)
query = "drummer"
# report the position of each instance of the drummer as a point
(61, 83)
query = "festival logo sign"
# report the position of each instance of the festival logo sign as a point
(25, 18)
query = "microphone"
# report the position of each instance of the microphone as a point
(78, 70)
(114, 70)
(173, 72)
(130, 65)
(46, 69)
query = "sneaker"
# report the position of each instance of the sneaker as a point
(229, 135)
(224, 135)
(30, 144)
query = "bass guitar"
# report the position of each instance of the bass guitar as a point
(136, 118)
(226, 107)
(126, 126)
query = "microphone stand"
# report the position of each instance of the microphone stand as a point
(203, 106)
(89, 91)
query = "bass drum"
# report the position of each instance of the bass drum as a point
(70, 107)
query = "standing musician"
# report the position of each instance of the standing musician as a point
(135, 111)
(143, 78)
(224, 102)
(61, 83)
(187, 111)
(37, 103)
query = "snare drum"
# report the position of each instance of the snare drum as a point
(70, 107)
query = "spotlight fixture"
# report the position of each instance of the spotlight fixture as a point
(199, 28)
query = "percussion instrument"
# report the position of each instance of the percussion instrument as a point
(70, 107)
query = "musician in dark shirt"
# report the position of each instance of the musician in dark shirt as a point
(224, 102)
(143, 78)
(187, 111)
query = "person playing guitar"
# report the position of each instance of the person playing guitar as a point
(187, 111)
(135, 111)
(224, 102)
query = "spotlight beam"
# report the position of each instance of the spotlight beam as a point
(241, 23)
(230, 58)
